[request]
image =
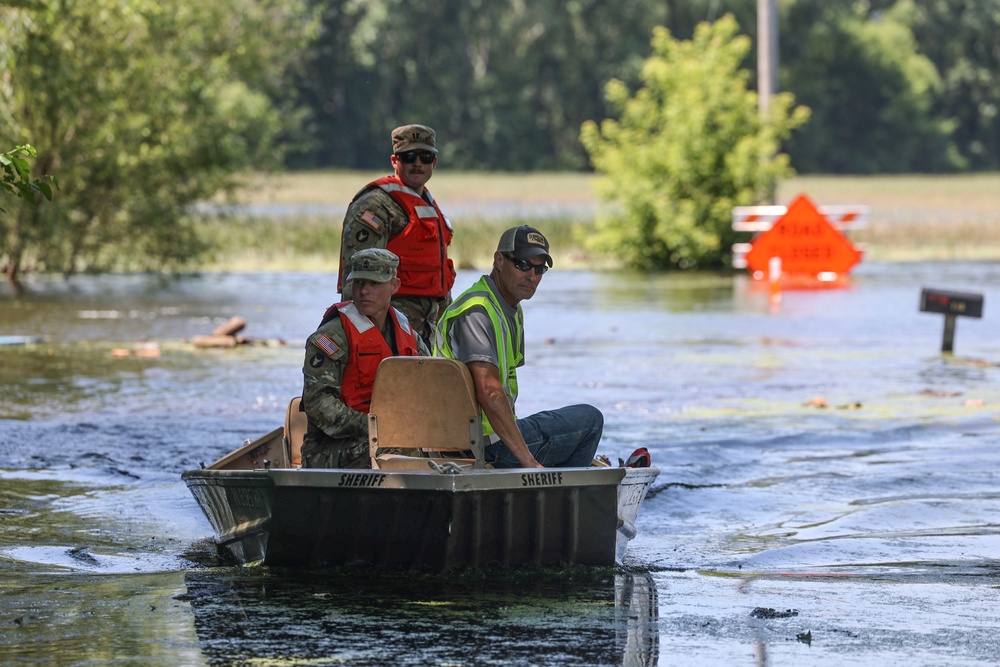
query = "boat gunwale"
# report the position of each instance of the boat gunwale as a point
(413, 480)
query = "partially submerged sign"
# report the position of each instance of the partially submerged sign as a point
(951, 304)
(806, 242)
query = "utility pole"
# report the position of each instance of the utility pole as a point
(767, 65)
(767, 53)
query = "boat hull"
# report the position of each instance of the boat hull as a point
(309, 517)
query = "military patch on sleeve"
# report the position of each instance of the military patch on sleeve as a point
(327, 345)
(371, 220)
(317, 360)
(362, 235)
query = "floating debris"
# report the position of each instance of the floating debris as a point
(145, 350)
(226, 336)
(82, 554)
(215, 341)
(767, 612)
(940, 393)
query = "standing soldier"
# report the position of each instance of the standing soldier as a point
(399, 214)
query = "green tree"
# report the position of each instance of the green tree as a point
(505, 83)
(894, 85)
(960, 38)
(871, 92)
(143, 108)
(684, 16)
(687, 147)
(16, 175)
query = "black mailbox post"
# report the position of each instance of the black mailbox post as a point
(951, 304)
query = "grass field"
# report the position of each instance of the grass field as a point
(298, 216)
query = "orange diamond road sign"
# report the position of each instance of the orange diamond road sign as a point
(805, 241)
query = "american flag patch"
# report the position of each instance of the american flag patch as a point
(324, 343)
(371, 219)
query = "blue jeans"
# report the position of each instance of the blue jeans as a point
(563, 438)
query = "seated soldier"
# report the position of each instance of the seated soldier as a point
(341, 359)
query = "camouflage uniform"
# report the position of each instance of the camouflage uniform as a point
(337, 435)
(423, 312)
(373, 218)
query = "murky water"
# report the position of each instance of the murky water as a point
(829, 493)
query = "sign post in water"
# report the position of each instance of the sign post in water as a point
(951, 304)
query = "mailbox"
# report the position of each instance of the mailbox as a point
(951, 303)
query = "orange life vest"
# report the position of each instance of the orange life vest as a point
(422, 246)
(367, 347)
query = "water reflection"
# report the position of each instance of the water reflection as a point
(577, 616)
(72, 618)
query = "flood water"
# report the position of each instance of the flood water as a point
(829, 495)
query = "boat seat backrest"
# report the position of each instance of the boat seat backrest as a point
(425, 403)
(295, 430)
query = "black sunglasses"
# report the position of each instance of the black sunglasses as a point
(524, 266)
(409, 157)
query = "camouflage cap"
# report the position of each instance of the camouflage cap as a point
(413, 138)
(525, 242)
(374, 264)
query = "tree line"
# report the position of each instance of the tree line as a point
(894, 86)
(144, 107)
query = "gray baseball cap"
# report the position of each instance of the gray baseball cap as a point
(374, 264)
(525, 242)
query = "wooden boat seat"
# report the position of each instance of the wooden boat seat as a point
(427, 404)
(295, 431)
